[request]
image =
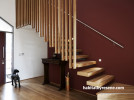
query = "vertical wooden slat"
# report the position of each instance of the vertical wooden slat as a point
(63, 31)
(25, 12)
(40, 18)
(74, 34)
(70, 33)
(59, 26)
(32, 13)
(44, 7)
(56, 27)
(47, 21)
(22, 15)
(29, 12)
(35, 15)
(53, 21)
(20, 12)
(16, 13)
(24, 7)
(66, 30)
(50, 25)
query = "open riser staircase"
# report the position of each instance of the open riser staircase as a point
(56, 21)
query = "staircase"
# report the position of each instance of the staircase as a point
(98, 81)
(55, 20)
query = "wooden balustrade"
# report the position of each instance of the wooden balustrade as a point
(55, 20)
(66, 30)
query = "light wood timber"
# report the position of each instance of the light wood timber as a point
(59, 26)
(22, 13)
(66, 30)
(90, 71)
(50, 24)
(63, 31)
(53, 25)
(17, 13)
(40, 18)
(47, 21)
(32, 13)
(100, 81)
(85, 63)
(32, 89)
(56, 27)
(117, 94)
(44, 8)
(42, 35)
(70, 34)
(38, 15)
(74, 34)
(29, 12)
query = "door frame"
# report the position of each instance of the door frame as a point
(6, 32)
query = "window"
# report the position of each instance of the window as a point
(4, 26)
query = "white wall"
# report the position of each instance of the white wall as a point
(26, 41)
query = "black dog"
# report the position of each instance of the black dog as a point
(15, 77)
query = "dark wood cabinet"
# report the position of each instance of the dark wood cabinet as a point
(62, 64)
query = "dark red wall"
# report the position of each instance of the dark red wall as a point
(115, 19)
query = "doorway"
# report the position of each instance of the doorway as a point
(6, 51)
(8, 58)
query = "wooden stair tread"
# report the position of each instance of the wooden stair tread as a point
(90, 71)
(127, 89)
(85, 63)
(100, 81)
